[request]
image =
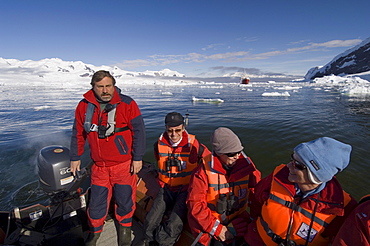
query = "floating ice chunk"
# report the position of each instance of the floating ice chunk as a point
(244, 89)
(167, 93)
(41, 108)
(289, 87)
(212, 86)
(276, 94)
(359, 89)
(209, 100)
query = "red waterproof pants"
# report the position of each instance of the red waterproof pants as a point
(106, 181)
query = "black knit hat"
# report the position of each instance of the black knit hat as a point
(174, 119)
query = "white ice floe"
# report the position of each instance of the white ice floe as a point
(245, 85)
(208, 100)
(211, 86)
(167, 93)
(41, 108)
(356, 90)
(349, 84)
(289, 88)
(276, 94)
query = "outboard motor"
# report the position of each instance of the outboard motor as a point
(63, 220)
(54, 169)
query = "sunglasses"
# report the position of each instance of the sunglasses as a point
(233, 154)
(297, 164)
(174, 130)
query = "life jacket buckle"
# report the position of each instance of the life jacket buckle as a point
(277, 239)
(94, 128)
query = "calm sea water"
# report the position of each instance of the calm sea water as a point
(269, 127)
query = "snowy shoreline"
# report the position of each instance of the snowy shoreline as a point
(72, 75)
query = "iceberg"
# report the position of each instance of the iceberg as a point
(207, 100)
(276, 94)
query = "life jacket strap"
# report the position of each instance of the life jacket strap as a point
(111, 121)
(299, 209)
(274, 237)
(94, 128)
(88, 118)
(89, 127)
(121, 129)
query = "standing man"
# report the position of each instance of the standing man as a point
(219, 192)
(113, 125)
(302, 203)
(177, 154)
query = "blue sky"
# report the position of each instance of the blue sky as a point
(200, 38)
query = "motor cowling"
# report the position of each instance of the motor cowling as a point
(54, 172)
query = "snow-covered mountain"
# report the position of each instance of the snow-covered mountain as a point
(56, 66)
(352, 61)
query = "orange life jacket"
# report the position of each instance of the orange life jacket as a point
(219, 187)
(172, 175)
(281, 211)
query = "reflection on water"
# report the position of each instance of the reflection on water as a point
(269, 127)
(29, 194)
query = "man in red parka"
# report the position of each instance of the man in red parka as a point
(219, 192)
(112, 124)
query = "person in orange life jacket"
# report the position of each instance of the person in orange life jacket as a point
(356, 228)
(302, 203)
(219, 192)
(177, 153)
(115, 132)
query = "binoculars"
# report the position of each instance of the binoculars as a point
(287, 243)
(173, 162)
(102, 131)
(227, 203)
(283, 242)
(101, 128)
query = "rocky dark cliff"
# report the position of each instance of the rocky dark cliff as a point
(352, 61)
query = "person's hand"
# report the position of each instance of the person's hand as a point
(240, 226)
(225, 234)
(136, 167)
(75, 166)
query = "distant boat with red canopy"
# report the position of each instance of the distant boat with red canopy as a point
(244, 80)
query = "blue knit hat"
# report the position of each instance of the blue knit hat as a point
(324, 156)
